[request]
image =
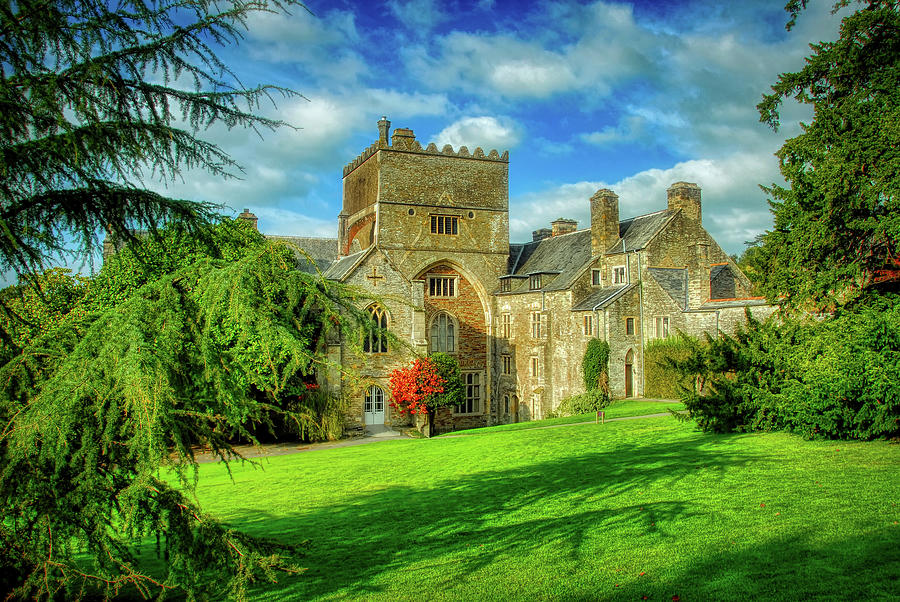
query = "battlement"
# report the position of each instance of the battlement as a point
(405, 140)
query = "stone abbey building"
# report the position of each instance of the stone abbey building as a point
(427, 230)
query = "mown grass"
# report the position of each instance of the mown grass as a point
(624, 408)
(647, 507)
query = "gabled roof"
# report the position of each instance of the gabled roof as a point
(636, 232)
(673, 281)
(323, 251)
(564, 255)
(342, 267)
(603, 297)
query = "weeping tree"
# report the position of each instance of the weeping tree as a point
(96, 413)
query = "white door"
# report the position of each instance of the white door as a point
(373, 410)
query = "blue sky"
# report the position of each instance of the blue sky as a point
(583, 95)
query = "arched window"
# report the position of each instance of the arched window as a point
(375, 340)
(443, 333)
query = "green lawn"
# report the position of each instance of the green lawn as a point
(617, 409)
(628, 509)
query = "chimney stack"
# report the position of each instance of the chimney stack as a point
(604, 221)
(541, 234)
(248, 217)
(685, 196)
(384, 127)
(563, 226)
(403, 139)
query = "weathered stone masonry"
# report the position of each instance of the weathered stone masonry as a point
(427, 230)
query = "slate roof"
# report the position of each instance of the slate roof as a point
(603, 297)
(564, 255)
(323, 251)
(673, 281)
(636, 232)
(340, 268)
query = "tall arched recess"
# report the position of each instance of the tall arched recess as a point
(629, 373)
(457, 319)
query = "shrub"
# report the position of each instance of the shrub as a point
(838, 377)
(595, 365)
(660, 379)
(585, 403)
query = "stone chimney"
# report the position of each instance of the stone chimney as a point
(685, 196)
(384, 127)
(563, 226)
(541, 234)
(248, 217)
(604, 221)
(403, 139)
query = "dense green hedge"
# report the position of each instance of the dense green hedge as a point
(661, 380)
(837, 377)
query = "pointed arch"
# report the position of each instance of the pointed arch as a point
(375, 340)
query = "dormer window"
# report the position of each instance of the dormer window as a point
(619, 275)
(535, 282)
(505, 285)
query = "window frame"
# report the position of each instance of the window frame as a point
(630, 320)
(471, 405)
(451, 288)
(596, 277)
(537, 330)
(506, 364)
(440, 222)
(450, 321)
(373, 339)
(535, 282)
(664, 322)
(505, 285)
(587, 327)
(535, 367)
(506, 325)
(618, 270)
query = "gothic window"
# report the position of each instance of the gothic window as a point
(535, 281)
(375, 340)
(629, 326)
(662, 326)
(443, 334)
(507, 364)
(619, 275)
(472, 402)
(596, 275)
(588, 325)
(442, 286)
(505, 325)
(506, 404)
(444, 224)
(537, 330)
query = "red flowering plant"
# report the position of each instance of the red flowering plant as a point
(426, 385)
(412, 386)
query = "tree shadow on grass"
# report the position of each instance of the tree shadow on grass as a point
(472, 521)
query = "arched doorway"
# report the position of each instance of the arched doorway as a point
(629, 373)
(373, 407)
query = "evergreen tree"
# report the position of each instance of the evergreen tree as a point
(837, 226)
(95, 97)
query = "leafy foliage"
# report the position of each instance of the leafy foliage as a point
(834, 378)
(97, 97)
(92, 411)
(595, 365)
(837, 226)
(660, 380)
(447, 368)
(414, 386)
(585, 403)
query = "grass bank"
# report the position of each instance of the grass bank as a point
(624, 510)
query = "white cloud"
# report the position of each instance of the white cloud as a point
(498, 133)
(420, 16)
(734, 209)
